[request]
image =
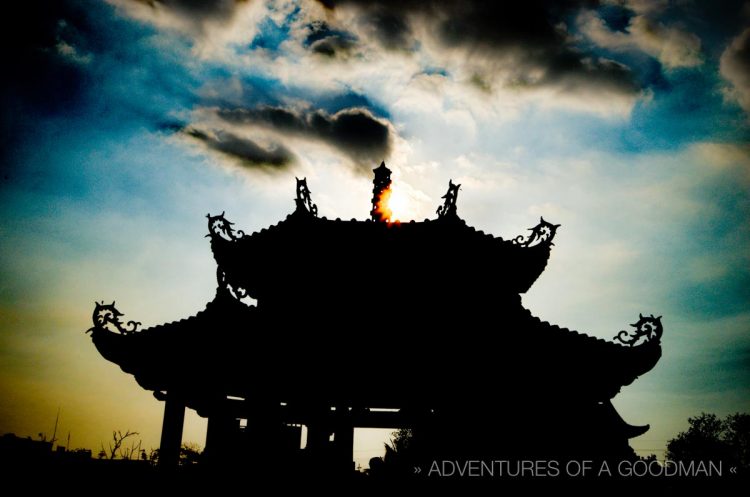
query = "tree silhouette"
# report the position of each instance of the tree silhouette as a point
(400, 440)
(153, 457)
(710, 438)
(737, 436)
(398, 455)
(190, 453)
(117, 439)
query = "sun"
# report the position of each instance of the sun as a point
(400, 205)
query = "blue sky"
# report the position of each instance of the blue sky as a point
(125, 122)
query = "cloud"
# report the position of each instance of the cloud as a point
(243, 150)
(490, 26)
(197, 8)
(48, 46)
(323, 40)
(71, 53)
(387, 26)
(671, 46)
(183, 14)
(641, 6)
(735, 68)
(195, 12)
(495, 47)
(212, 25)
(728, 158)
(46, 68)
(509, 52)
(332, 46)
(353, 131)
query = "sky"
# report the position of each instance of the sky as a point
(124, 122)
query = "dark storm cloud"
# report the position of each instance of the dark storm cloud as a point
(354, 131)
(391, 29)
(493, 25)
(530, 36)
(567, 69)
(244, 150)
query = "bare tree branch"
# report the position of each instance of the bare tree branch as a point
(117, 439)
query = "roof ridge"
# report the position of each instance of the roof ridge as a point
(221, 295)
(577, 333)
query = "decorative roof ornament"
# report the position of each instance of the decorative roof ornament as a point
(449, 206)
(106, 317)
(544, 232)
(238, 292)
(219, 226)
(647, 329)
(304, 201)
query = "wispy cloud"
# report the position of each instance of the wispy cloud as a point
(672, 46)
(211, 25)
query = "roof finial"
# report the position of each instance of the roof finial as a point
(449, 206)
(381, 191)
(304, 200)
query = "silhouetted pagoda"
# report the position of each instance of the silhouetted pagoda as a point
(336, 324)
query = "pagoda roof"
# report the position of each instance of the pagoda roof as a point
(233, 349)
(268, 263)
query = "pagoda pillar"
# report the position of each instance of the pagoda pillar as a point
(264, 424)
(343, 439)
(221, 436)
(171, 433)
(264, 432)
(318, 428)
